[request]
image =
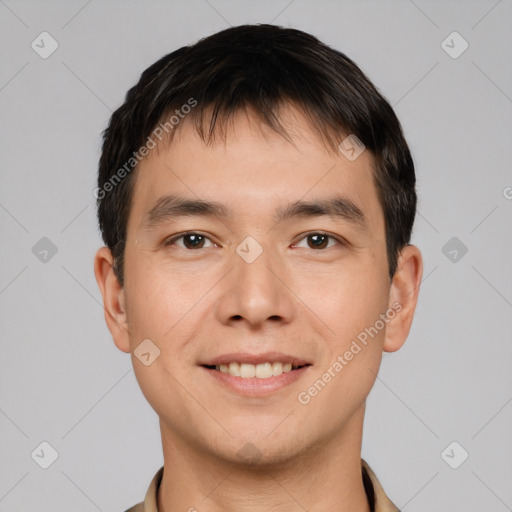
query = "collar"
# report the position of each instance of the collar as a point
(378, 500)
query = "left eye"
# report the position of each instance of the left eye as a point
(190, 241)
(317, 241)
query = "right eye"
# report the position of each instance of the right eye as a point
(190, 240)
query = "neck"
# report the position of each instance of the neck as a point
(327, 476)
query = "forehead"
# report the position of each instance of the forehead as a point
(253, 169)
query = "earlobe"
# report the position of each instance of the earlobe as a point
(403, 297)
(113, 298)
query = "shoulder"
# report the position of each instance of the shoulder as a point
(136, 508)
(150, 501)
(375, 492)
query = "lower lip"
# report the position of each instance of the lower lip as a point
(254, 386)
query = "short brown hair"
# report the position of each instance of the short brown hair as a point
(260, 67)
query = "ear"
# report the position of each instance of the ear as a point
(113, 298)
(403, 296)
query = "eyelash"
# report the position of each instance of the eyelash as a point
(339, 241)
(172, 240)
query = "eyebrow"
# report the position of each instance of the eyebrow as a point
(173, 206)
(337, 207)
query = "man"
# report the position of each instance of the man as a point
(256, 197)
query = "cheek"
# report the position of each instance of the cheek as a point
(158, 298)
(165, 307)
(349, 304)
(340, 385)
(347, 299)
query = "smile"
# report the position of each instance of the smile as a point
(260, 371)
(255, 380)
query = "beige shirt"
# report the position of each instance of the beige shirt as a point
(377, 499)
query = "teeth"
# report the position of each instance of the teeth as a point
(247, 371)
(260, 371)
(264, 371)
(277, 369)
(234, 369)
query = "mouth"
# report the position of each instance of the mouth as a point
(255, 375)
(264, 370)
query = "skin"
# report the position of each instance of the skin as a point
(198, 303)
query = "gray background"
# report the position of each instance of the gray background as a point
(62, 379)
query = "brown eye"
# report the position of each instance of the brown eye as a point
(190, 241)
(193, 241)
(318, 241)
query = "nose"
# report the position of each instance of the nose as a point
(255, 292)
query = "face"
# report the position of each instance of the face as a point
(242, 259)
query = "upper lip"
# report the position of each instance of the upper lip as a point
(244, 357)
